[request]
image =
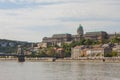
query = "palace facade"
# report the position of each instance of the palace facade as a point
(58, 39)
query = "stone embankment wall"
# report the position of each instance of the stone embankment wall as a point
(83, 59)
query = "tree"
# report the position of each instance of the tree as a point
(115, 40)
(88, 42)
(67, 48)
(51, 52)
(41, 53)
(114, 53)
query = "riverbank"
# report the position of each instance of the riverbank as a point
(84, 59)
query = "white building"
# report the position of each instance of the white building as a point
(80, 51)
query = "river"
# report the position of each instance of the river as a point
(11, 70)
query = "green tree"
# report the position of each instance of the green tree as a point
(108, 55)
(81, 42)
(88, 42)
(67, 48)
(114, 54)
(41, 53)
(51, 52)
(115, 40)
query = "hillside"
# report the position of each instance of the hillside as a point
(10, 46)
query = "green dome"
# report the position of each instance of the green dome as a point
(80, 27)
(80, 30)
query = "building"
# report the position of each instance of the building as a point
(4, 44)
(116, 48)
(80, 30)
(91, 51)
(76, 52)
(99, 52)
(99, 36)
(42, 45)
(60, 52)
(79, 35)
(58, 39)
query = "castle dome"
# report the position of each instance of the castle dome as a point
(80, 30)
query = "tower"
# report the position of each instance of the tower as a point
(20, 53)
(80, 31)
(20, 50)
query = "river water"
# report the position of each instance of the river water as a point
(12, 70)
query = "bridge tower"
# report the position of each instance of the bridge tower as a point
(20, 53)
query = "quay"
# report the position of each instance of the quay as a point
(48, 59)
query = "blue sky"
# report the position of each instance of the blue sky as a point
(31, 20)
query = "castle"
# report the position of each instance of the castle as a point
(58, 39)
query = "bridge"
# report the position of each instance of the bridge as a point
(20, 58)
(20, 54)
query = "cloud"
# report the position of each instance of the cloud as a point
(15, 4)
(31, 20)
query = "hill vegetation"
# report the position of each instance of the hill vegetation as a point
(10, 46)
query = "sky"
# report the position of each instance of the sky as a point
(31, 20)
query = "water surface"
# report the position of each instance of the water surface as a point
(59, 71)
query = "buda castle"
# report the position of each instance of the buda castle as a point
(58, 39)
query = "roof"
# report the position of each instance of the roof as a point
(80, 27)
(60, 49)
(61, 35)
(95, 33)
(79, 47)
